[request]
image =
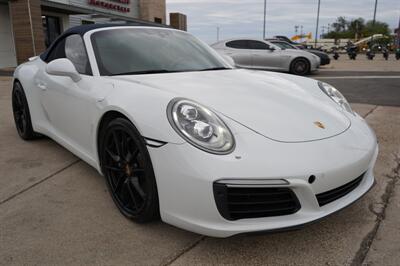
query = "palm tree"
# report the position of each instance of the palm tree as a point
(340, 24)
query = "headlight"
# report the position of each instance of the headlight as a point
(335, 95)
(200, 126)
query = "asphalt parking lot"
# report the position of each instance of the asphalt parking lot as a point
(371, 87)
(55, 209)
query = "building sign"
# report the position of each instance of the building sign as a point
(115, 5)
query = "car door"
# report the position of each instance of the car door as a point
(240, 52)
(266, 57)
(69, 105)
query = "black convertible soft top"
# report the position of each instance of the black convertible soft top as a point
(82, 29)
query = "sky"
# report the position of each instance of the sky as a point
(244, 18)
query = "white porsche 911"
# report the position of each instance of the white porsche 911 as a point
(180, 134)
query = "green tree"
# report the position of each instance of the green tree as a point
(356, 28)
(376, 28)
(340, 25)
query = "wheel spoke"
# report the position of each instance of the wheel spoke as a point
(113, 168)
(23, 123)
(113, 156)
(131, 155)
(117, 143)
(18, 99)
(119, 185)
(135, 182)
(128, 186)
(18, 117)
(124, 148)
(137, 170)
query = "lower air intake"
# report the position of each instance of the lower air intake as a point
(336, 193)
(237, 202)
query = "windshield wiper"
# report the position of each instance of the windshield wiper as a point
(215, 68)
(154, 71)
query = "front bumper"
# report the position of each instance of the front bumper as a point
(325, 61)
(185, 178)
(315, 64)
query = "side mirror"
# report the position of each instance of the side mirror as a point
(229, 60)
(63, 67)
(271, 48)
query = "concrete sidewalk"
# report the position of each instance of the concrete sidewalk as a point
(55, 210)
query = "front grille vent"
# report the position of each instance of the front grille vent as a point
(237, 202)
(336, 193)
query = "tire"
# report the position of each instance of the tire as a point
(22, 116)
(127, 168)
(300, 66)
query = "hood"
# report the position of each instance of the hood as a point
(274, 106)
(298, 52)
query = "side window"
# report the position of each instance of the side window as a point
(57, 52)
(76, 52)
(239, 44)
(258, 45)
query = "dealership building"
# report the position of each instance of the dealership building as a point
(27, 27)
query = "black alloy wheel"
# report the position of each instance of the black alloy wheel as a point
(129, 174)
(300, 66)
(22, 117)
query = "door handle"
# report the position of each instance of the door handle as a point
(42, 86)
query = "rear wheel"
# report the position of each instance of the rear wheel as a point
(300, 66)
(129, 174)
(22, 116)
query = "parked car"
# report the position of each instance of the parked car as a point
(260, 54)
(286, 39)
(179, 133)
(325, 60)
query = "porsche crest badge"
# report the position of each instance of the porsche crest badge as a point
(319, 124)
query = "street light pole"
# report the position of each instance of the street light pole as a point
(301, 33)
(316, 28)
(217, 33)
(376, 4)
(296, 29)
(265, 16)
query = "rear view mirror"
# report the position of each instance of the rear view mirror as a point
(63, 67)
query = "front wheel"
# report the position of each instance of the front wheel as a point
(22, 115)
(129, 174)
(300, 66)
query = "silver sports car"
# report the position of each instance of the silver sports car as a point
(259, 54)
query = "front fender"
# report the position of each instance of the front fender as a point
(144, 106)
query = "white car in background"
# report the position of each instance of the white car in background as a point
(180, 134)
(259, 54)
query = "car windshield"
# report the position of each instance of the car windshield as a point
(284, 45)
(132, 51)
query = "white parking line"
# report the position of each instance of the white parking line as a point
(358, 77)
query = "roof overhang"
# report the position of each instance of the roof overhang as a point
(56, 7)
